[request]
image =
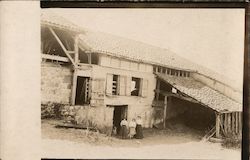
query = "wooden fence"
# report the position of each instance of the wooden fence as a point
(229, 124)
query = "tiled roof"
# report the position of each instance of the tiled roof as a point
(130, 49)
(138, 51)
(202, 93)
(51, 19)
(134, 50)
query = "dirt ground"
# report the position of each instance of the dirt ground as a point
(173, 143)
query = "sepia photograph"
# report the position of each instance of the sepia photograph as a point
(148, 83)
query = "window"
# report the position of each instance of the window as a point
(115, 85)
(135, 86)
(126, 86)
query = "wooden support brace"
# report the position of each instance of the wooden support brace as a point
(61, 44)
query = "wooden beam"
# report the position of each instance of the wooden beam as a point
(165, 111)
(217, 125)
(55, 57)
(63, 47)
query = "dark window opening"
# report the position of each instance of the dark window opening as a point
(94, 58)
(135, 86)
(164, 70)
(173, 72)
(184, 74)
(154, 69)
(115, 85)
(159, 69)
(181, 73)
(82, 91)
(83, 57)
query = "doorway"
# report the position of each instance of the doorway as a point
(82, 91)
(120, 112)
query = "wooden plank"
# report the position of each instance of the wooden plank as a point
(237, 122)
(229, 122)
(63, 47)
(217, 128)
(222, 123)
(109, 84)
(225, 123)
(240, 122)
(165, 111)
(233, 122)
(55, 57)
(144, 85)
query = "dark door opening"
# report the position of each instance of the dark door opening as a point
(120, 112)
(82, 91)
(190, 117)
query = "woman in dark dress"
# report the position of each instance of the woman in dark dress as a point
(139, 133)
(124, 130)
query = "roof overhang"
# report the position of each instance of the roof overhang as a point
(201, 93)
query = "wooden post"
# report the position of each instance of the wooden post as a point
(157, 90)
(74, 84)
(165, 111)
(217, 125)
(76, 50)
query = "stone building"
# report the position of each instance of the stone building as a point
(106, 77)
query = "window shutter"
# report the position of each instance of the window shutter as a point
(109, 83)
(97, 92)
(122, 86)
(128, 86)
(144, 87)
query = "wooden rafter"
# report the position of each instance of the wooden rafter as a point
(63, 47)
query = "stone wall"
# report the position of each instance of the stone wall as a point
(56, 83)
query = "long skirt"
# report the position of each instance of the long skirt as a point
(124, 132)
(139, 134)
(132, 132)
